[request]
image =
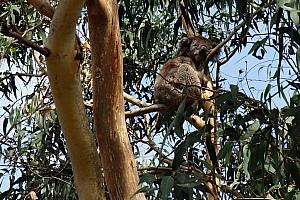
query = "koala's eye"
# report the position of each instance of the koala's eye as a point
(203, 48)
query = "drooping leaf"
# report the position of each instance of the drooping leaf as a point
(166, 186)
(225, 150)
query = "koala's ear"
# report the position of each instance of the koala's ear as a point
(183, 46)
(184, 42)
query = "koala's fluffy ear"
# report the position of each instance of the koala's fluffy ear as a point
(183, 46)
(183, 42)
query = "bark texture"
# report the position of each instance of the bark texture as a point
(116, 155)
(63, 72)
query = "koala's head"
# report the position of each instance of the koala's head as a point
(196, 47)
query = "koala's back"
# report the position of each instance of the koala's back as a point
(178, 73)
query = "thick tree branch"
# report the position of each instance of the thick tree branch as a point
(117, 159)
(45, 8)
(135, 101)
(64, 77)
(144, 110)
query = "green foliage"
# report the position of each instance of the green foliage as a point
(259, 142)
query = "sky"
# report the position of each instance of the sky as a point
(251, 74)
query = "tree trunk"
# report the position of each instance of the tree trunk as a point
(63, 72)
(116, 155)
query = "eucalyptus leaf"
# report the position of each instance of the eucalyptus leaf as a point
(166, 186)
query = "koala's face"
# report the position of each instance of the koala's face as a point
(200, 48)
(195, 47)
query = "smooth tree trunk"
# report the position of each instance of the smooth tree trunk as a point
(63, 72)
(119, 166)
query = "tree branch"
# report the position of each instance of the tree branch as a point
(186, 22)
(23, 40)
(64, 77)
(220, 45)
(195, 120)
(43, 6)
(135, 101)
(23, 74)
(151, 108)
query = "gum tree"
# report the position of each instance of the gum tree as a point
(66, 67)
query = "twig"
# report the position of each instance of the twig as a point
(37, 60)
(163, 158)
(220, 45)
(155, 170)
(88, 104)
(228, 189)
(236, 48)
(23, 74)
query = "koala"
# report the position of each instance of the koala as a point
(183, 76)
